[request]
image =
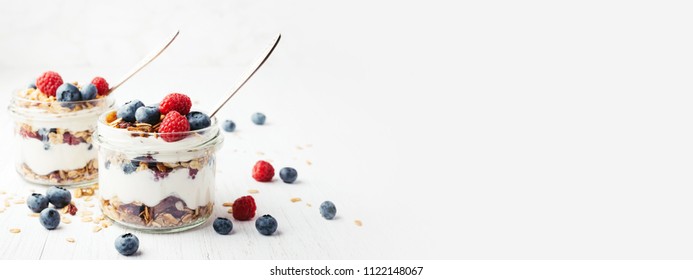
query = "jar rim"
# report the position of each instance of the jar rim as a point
(24, 106)
(139, 140)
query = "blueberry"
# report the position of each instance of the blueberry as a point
(198, 120)
(107, 164)
(229, 126)
(32, 85)
(127, 244)
(37, 202)
(258, 118)
(328, 210)
(148, 114)
(68, 93)
(58, 196)
(222, 226)
(127, 111)
(89, 92)
(49, 218)
(288, 175)
(44, 132)
(128, 168)
(266, 225)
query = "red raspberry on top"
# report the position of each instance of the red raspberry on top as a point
(263, 171)
(244, 208)
(49, 82)
(101, 85)
(175, 102)
(174, 122)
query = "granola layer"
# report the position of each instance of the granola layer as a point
(171, 212)
(63, 177)
(55, 136)
(34, 98)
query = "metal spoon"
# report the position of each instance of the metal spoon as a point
(257, 66)
(144, 62)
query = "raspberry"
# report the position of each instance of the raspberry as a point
(244, 208)
(174, 127)
(175, 102)
(101, 85)
(263, 171)
(49, 82)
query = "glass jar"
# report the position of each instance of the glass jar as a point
(150, 184)
(53, 139)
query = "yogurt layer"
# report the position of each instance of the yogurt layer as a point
(57, 157)
(141, 186)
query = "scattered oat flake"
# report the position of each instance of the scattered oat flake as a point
(7, 204)
(230, 210)
(299, 148)
(253, 191)
(309, 205)
(86, 213)
(295, 199)
(309, 162)
(88, 198)
(35, 215)
(358, 223)
(260, 153)
(3, 192)
(87, 219)
(65, 220)
(227, 204)
(19, 201)
(15, 230)
(104, 224)
(96, 229)
(90, 204)
(70, 239)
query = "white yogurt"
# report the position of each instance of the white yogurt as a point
(57, 157)
(141, 186)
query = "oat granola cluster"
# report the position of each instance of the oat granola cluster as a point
(170, 212)
(64, 177)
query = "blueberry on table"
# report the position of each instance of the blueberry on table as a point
(222, 226)
(266, 225)
(148, 114)
(229, 126)
(258, 118)
(328, 210)
(198, 120)
(89, 92)
(127, 244)
(127, 111)
(58, 196)
(49, 218)
(288, 175)
(37, 202)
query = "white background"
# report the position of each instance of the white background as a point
(473, 130)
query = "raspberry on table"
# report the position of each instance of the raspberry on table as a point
(175, 102)
(263, 171)
(244, 208)
(173, 126)
(101, 85)
(49, 82)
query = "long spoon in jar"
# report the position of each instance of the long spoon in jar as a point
(144, 62)
(254, 69)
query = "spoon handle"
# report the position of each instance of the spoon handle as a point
(257, 66)
(144, 62)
